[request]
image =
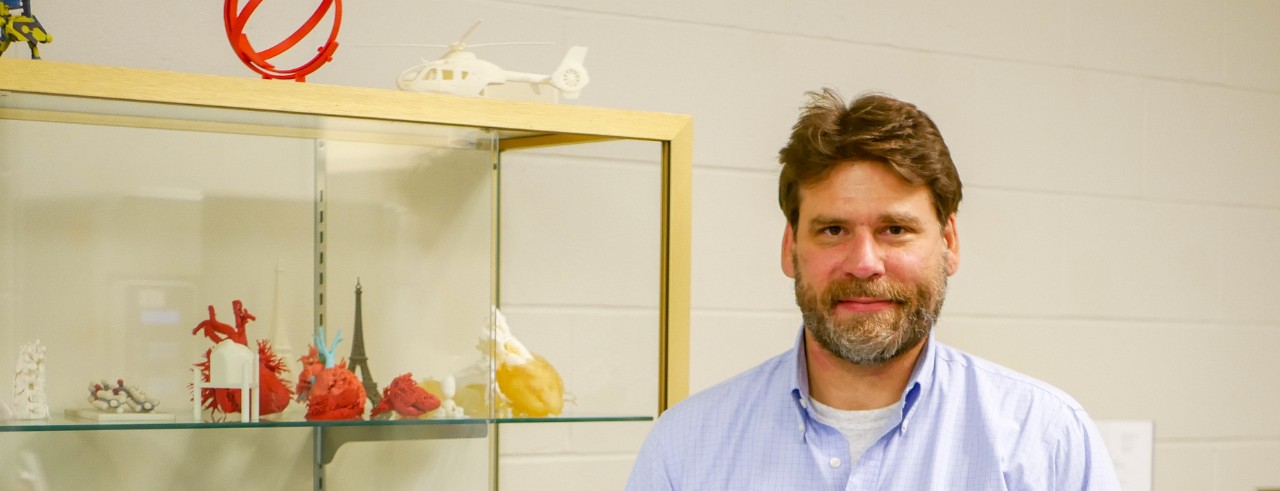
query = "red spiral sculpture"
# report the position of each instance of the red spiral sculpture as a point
(259, 61)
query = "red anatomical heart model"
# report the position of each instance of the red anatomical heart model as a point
(275, 395)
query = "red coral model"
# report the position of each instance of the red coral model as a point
(274, 394)
(406, 398)
(311, 366)
(332, 392)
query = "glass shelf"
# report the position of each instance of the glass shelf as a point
(63, 423)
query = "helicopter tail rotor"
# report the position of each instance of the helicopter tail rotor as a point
(571, 76)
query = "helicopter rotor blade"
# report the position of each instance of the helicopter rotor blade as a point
(526, 43)
(469, 31)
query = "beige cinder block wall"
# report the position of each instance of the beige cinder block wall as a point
(1120, 219)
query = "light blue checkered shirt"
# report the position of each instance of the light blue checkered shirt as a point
(966, 424)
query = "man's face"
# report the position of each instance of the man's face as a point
(870, 262)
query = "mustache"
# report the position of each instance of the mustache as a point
(854, 287)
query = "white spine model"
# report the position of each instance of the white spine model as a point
(30, 400)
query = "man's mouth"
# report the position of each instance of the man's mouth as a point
(864, 304)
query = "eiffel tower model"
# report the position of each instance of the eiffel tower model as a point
(358, 359)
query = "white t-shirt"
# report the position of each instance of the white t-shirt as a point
(861, 428)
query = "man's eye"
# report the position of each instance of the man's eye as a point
(832, 230)
(895, 230)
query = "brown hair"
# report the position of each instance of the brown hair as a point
(873, 127)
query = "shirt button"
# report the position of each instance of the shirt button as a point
(802, 427)
(835, 462)
(804, 403)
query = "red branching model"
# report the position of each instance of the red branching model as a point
(275, 395)
(332, 392)
(406, 398)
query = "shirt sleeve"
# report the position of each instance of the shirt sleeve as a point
(650, 471)
(1082, 460)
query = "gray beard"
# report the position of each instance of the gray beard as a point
(872, 340)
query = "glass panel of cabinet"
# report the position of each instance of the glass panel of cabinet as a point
(406, 272)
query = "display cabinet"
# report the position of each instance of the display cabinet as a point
(133, 201)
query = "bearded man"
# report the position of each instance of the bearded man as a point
(867, 399)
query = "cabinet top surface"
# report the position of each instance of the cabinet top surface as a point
(209, 91)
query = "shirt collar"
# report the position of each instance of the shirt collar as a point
(800, 385)
(921, 375)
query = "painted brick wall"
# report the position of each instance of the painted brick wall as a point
(1120, 158)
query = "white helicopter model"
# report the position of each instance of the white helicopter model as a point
(460, 72)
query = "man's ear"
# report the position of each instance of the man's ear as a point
(951, 238)
(788, 251)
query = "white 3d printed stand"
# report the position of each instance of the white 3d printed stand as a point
(231, 366)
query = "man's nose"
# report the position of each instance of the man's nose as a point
(864, 258)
